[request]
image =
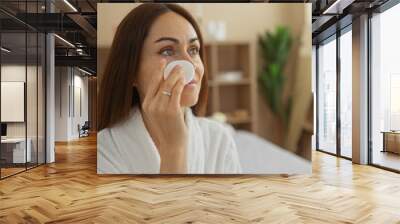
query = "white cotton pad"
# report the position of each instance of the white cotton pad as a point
(188, 69)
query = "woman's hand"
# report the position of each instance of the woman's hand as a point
(164, 119)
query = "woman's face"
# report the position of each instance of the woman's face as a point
(171, 37)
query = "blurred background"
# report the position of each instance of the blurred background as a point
(259, 66)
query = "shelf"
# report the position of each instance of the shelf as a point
(229, 83)
(239, 121)
(234, 94)
(238, 117)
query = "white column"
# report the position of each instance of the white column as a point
(50, 99)
(360, 90)
(50, 92)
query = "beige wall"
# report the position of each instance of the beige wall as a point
(244, 22)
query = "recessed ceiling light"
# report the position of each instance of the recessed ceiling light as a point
(5, 50)
(84, 71)
(70, 5)
(337, 7)
(65, 41)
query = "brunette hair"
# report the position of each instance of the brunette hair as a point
(116, 95)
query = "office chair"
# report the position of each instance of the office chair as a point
(84, 130)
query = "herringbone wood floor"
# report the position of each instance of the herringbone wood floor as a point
(70, 191)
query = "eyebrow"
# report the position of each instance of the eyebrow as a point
(175, 40)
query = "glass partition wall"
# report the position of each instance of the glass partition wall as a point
(327, 96)
(334, 94)
(22, 98)
(13, 89)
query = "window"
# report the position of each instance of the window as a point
(327, 97)
(346, 94)
(394, 102)
(314, 91)
(385, 89)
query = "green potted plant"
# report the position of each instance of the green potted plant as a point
(275, 48)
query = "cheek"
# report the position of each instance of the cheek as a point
(200, 77)
(145, 75)
(199, 68)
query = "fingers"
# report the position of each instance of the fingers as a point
(162, 100)
(156, 100)
(177, 93)
(169, 83)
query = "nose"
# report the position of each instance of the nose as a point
(185, 56)
(198, 66)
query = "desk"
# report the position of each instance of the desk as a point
(391, 141)
(13, 150)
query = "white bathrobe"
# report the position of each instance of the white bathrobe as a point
(127, 148)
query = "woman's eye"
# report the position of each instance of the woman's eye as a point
(167, 52)
(194, 51)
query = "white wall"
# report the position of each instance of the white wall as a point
(79, 117)
(12, 100)
(34, 125)
(61, 103)
(69, 82)
(12, 73)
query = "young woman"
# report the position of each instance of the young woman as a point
(148, 125)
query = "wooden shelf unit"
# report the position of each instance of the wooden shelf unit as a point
(231, 96)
